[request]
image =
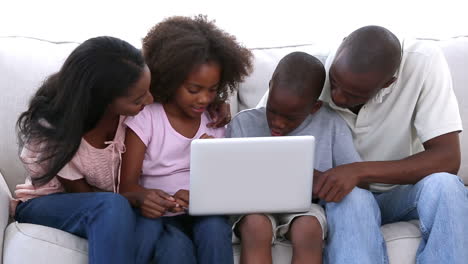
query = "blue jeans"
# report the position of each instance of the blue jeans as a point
(195, 239)
(440, 203)
(115, 232)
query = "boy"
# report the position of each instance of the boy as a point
(293, 110)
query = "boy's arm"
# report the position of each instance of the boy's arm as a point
(343, 152)
(153, 203)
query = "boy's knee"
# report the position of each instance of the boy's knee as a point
(256, 226)
(306, 231)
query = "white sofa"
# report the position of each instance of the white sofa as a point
(25, 62)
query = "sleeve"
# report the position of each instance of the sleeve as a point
(343, 148)
(437, 110)
(30, 158)
(141, 124)
(70, 171)
(234, 128)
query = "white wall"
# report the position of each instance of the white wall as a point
(255, 23)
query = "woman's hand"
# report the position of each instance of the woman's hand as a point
(206, 136)
(220, 114)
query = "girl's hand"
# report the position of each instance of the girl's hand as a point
(205, 136)
(220, 114)
(182, 199)
(154, 203)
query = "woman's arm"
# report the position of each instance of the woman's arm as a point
(75, 186)
(153, 203)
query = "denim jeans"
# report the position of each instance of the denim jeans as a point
(115, 232)
(440, 203)
(195, 239)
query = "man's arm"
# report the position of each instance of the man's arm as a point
(441, 154)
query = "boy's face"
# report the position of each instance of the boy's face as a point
(286, 110)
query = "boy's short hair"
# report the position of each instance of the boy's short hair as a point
(300, 73)
(176, 46)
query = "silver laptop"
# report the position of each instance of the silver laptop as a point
(251, 175)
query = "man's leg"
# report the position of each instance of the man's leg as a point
(440, 202)
(105, 219)
(354, 234)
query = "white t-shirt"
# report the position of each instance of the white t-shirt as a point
(418, 106)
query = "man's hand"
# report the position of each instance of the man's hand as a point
(220, 114)
(154, 203)
(334, 184)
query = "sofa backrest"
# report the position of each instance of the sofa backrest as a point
(26, 62)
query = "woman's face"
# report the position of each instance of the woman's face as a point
(137, 97)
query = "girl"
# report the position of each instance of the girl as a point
(72, 138)
(194, 65)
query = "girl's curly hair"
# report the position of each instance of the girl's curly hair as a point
(175, 46)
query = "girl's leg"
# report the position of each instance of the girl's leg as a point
(105, 219)
(148, 234)
(175, 245)
(256, 233)
(306, 237)
(212, 238)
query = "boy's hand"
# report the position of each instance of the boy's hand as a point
(205, 136)
(182, 198)
(220, 114)
(154, 203)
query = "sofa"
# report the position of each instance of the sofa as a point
(25, 62)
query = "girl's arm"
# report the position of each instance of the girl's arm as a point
(153, 203)
(75, 186)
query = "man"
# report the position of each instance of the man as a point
(403, 114)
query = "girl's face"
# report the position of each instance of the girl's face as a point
(198, 91)
(137, 97)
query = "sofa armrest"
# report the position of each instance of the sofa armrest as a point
(5, 197)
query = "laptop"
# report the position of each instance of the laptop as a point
(251, 175)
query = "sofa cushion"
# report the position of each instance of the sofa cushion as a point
(24, 64)
(28, 243)
(456, 53)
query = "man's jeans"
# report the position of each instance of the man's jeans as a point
(115, 232)
(195, 239)
(440, 203)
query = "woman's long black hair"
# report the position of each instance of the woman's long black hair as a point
(70, 102)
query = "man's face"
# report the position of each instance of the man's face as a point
(285, 111)
(350, 89)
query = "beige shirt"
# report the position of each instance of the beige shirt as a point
(419, 106)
